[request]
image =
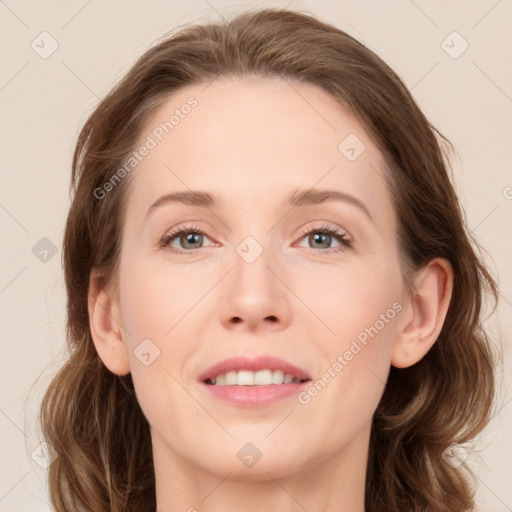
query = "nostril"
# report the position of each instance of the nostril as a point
(272, 318)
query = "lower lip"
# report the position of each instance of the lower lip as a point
(255, 396)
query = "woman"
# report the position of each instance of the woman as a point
(273, 300)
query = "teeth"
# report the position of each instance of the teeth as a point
(259, 378)
(277, 377)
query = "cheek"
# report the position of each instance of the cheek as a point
(156, 297)
(157, 310)
(360, 307)
(364, 307)
(349, 300)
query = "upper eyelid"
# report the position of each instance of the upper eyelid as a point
(197, 229)
(173, 234)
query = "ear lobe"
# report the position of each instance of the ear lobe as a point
(425, 313)
(104, 322)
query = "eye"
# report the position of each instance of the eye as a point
(323, 237)
(189, 239)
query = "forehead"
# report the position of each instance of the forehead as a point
(250, 138)
(238, 114)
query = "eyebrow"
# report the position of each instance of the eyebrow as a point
(299, 198)
(315, 196)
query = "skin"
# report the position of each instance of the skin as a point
(253, 142)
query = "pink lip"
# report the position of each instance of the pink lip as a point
(254, 396)
(254, 365)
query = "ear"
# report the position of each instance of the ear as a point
(104, 322)
(426, 307)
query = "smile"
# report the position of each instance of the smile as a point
(248, 378)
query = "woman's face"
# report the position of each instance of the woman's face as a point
(289, 253)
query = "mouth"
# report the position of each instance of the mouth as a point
(246, 382)
(259, 371)
(266, 377)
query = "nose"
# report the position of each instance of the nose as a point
(254, 296)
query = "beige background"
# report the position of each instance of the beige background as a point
(44, 101)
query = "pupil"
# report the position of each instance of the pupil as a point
(192, 238)
(319, 237)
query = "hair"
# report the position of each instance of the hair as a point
(91, 417)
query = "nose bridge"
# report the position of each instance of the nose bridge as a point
(253, 294)
(256, 248)
(251, 275)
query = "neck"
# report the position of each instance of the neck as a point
(331, 483)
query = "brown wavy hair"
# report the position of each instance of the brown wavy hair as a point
(91, 417)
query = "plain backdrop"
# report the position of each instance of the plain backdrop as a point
(462, 81)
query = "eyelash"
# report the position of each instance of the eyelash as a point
(325, 230)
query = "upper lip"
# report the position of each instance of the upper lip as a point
(253, 364)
